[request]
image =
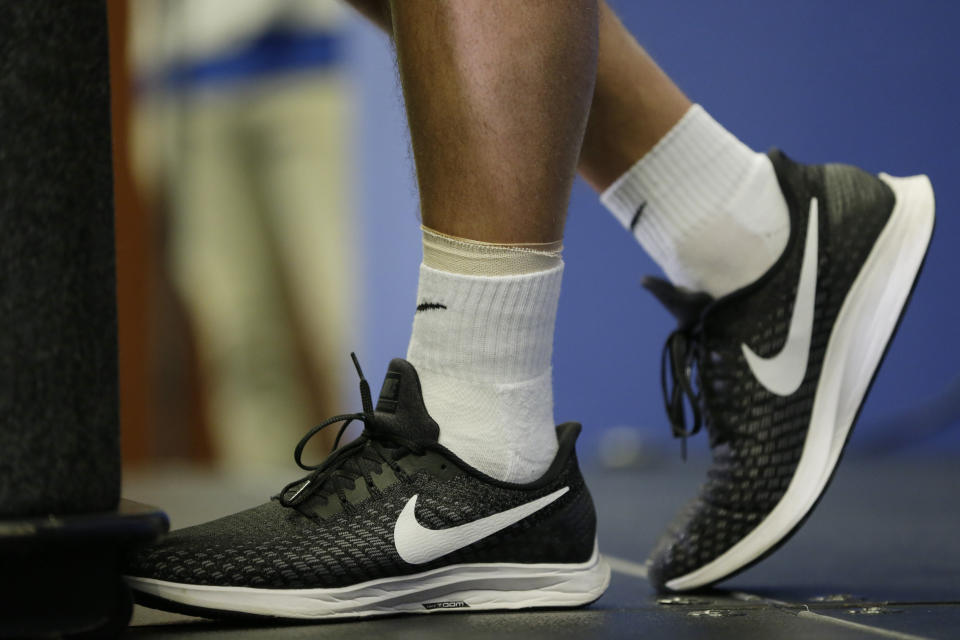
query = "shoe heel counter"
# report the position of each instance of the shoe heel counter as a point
(575, 523)
(589, 514)
(846, 192)
(854, 205)
(564, 532)
(855, 199)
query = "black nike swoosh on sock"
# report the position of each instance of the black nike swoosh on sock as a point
(424, 306)
(636, 216)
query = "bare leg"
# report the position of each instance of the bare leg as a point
(634, 105)
(497, 95)
(634, 102)
(689, 187)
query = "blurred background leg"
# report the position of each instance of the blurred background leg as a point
(241, 147)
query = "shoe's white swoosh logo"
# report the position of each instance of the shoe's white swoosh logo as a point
(416, 544)
(783, 373)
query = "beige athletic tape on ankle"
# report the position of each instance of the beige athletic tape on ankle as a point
(475, 258)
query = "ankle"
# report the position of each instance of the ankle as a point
(482, 345)
(706, 207)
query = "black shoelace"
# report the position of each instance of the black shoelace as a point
(680, 382)
(374, 447)
(680, 361)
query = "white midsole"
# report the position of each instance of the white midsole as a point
(462, 587)
(860, 335)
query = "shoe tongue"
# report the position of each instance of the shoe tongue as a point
(686, 306)
(400, 407)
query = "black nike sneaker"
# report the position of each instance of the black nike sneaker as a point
(778, 371)
(391, 523)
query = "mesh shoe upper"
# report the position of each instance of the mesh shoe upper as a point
(757, 437)
(328, 539)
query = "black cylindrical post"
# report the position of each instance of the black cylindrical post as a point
(59, 432)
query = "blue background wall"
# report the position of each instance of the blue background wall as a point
(873, 84)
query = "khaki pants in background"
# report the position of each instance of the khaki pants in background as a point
(257, 179)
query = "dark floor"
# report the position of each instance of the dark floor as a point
(879, 557)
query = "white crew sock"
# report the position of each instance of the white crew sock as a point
(482, 344)
(711, 211)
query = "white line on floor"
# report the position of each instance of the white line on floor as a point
(626, 566)
(637, 570)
